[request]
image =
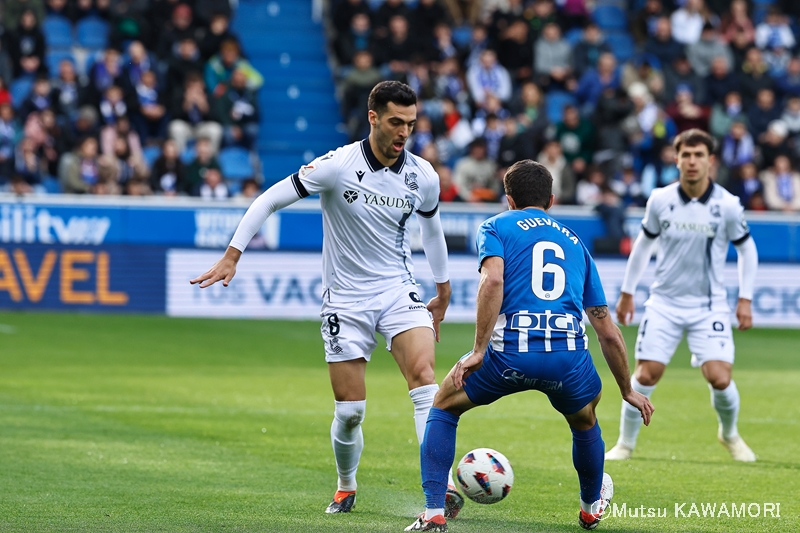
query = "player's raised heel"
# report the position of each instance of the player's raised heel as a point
(437, 523)
(740, 451)
(620, 452)
(590, 516)
(453, 502)
(343, 502)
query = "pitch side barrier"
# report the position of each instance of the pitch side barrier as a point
(137, 254)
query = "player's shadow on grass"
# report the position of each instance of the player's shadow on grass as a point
(532, 525)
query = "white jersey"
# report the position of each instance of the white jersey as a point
(365, 209)
(693, 236)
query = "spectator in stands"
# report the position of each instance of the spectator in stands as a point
(122, 129)
(130, 21)
(553, 159)
(576, 137)
(553, 58)
(419, 79)
(441, 47)
(681, 73)
(761, 115)
(40, 98)
(220, 67)
(356, 87)
(777, 59)
(627, 187)
(250, 189)
(344, 11)
(167, 176)
(104, 74)
(463, 11)
(703, 52)
(745, 184)
(725, 113)
(643, 69)
(613, 108)
(198, 168)
(648, 127)
(127, 167)
(194, 116)
(52, 140)
(148, 109)
(528, 108)
(512, 146)
(181, 65)
(781, 186)
(139, 62)
(660, 172)
(587, 52)
(112, 106)
(357, 38)
(448, 192)
(686, 113)
(737, 21)
(90, 8)
(790, 7)
(515, 50)
(687, 22)
(791, 116)
(218, 31)
(396, 49)
(720, 81)
(662, 45)
(68, 93)
(774, 143)
(6, 67)
(646, 21)
(493, 106)
(488, 77)
(26, 42)
(383, 16)
(60, 8)
(214, 187)
(788, 84)
(753, 76)
(502, 15)
(775, 31)
(737, 147)
(595, 81)
(81, 172)
(177, 29)
(13, 12)
(493, 133)
(478, 42)
(589, 192)
(425, 18)
(449, 83)
(238, 111)
(27, 174)
(544, 13)
(474, 174)
(573, 13)
(423, 135)
(10, 135)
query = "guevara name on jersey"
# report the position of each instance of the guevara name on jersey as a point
(365, 210)
(693, 236)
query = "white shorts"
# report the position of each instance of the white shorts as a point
(348, 328)
(707, 332)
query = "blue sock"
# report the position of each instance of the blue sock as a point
(588, 458)
(437, 452)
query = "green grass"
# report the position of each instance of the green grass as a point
(140, 423)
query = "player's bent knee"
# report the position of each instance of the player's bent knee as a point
(420, 373)
(350, 414)
(719, 382)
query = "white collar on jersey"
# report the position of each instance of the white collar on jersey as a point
(375, 165)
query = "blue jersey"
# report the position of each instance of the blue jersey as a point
(549, 278)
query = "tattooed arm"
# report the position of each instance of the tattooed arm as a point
(613, 346)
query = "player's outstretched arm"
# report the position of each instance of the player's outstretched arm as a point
(489, 302)
(276, 197)
(613, 345)
(637, 262)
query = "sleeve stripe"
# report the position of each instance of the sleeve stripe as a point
(741, 239)
(649, 233)
(428, 214)
(298, 186)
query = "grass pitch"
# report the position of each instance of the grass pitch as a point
(142, 423)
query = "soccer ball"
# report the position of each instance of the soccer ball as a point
(485, 475)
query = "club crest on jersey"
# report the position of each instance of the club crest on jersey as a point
(350, 196)
(715, 211)
(360, 175)
(411, 181)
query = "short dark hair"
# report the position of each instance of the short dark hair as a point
(529, 184)
(390, 91)
(694, 137)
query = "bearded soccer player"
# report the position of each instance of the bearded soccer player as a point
(693, 220)
(368, 191)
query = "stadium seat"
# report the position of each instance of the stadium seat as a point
(610, 17)
(20, 88)
(51, 185)
(53, 58)
(92, 33)
(235, 163)
(150, 154)
(574, 36)
(188, 155)
(554, 105)
(462, 35)
(621, 45)
(57, 32)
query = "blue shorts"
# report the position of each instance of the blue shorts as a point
(569, 379)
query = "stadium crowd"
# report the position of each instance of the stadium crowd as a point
(593, 89)
(124, 97)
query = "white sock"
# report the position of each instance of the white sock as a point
(348, 441)
(430, 513)
(422, 397)
(630, 420)
(726, 403)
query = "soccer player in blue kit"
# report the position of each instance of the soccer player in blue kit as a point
(537, 278)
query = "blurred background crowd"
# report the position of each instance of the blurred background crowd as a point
(126, 97)
(593, 89)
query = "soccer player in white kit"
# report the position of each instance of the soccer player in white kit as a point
(368, 190)
(693, 220)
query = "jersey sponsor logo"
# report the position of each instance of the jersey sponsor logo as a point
(388, 201)
(547, 322)
(411, 181)
(360, 175)
(708, 229)
(350, 196)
